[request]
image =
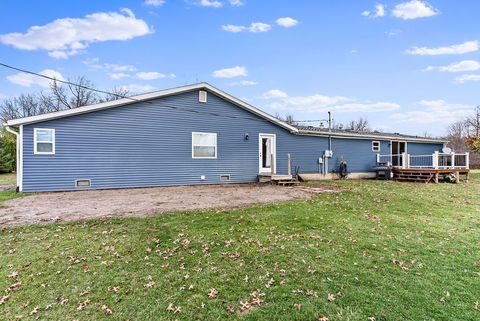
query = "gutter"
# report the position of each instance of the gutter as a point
(356, 136)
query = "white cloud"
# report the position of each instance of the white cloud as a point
(68, 36)
(414, 9)
(379, 11)
(254, 27)
(274, 93)
(237, 3)
(154, 3)
(392, 33)
(462, 66)
(236, 71)
(466, 47)
(286, 22)
(3, 96)
(152, 75)
(209, 3)
(322, 103)
(119, 75)
(138, 88)
(464, 78)
(244, 83)
(115, 71)
(259, 27)
(234, 28)
(434, 112)
(27, 80)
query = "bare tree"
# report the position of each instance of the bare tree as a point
(59, 97)
(24, 105)
(72, 96)
(359, 125)
(289, 119)
(461, 134)
(115, 93)
(473, 123)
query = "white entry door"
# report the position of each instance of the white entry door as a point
(267, 153)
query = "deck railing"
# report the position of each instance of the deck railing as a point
(436, 160)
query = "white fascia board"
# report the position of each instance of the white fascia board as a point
(369, 137)
(149, 96)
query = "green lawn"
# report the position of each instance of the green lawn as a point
(8, 179)
(375, 251)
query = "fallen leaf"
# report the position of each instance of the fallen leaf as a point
(331, 297)
(106, 310)
(14, 274)
(82, 305)
(34, 311)
(213, 294)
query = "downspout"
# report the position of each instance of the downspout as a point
(18, 168)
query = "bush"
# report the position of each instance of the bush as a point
(473, 143)
(8, 147)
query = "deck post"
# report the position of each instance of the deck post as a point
(404, 160)
(467, 160)
(289, 165)
(453, 160)
(435, 160)
(272, 165)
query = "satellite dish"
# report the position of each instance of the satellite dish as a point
(446, 150)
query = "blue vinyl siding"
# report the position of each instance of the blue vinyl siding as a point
(150, 144)
(423, 148)
(357, 153)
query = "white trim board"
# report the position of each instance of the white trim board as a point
(274, 152)
(20, 165)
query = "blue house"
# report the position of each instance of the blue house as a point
(195, 134)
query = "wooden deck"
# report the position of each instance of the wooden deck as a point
(426, 175)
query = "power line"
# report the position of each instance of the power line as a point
(65, 81)
(138, 100)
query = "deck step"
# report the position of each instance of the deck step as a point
(288, 183)
(407, 176)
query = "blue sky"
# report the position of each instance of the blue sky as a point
(407, 66)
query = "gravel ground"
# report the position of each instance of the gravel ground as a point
(70, 206)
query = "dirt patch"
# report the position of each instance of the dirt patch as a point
(70, 206)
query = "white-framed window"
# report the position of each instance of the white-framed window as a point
(44, 141)
(204, 145)
(375, 146)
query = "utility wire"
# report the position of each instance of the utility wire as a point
(134, 99)
(64, 81)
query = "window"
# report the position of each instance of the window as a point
(375, 146)
(44, 141)
(204, 145)
(202, 96)
(224, 178)
(83, 183)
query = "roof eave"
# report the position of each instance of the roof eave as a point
(379, 137)
(139, 98)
